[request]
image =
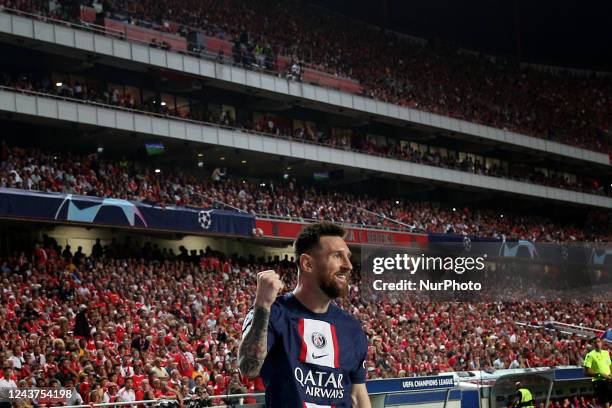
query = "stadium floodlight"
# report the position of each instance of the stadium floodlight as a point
(501, 215)
(158, 170)
(200, 164)
(454, 209)
(396, 201)
(243, 162)
(100, 149)
(222, 158)
(58, 84)
(163, 103)
(262, 185)
(285, 176)
(200, 154)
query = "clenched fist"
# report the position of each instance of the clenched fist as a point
(268, 286)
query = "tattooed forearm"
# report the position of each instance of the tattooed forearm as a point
(254, 346)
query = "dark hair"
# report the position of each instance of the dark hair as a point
(309, 237)
(595, 338)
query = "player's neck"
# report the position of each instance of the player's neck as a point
(314, 300)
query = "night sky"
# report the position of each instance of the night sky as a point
(567, 33)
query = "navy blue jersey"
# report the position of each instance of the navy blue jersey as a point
(313, 358)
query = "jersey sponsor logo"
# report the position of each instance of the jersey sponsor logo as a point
(319, 343)
(320, 384)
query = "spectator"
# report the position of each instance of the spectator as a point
(236, 387)
(127, 394)
(81, 327)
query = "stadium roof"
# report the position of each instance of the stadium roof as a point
(569, 33)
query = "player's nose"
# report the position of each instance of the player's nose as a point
(346, 263)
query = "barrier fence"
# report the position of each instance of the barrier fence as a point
(473, 389)
(187, 402)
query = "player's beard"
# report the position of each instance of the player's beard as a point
(332, 288)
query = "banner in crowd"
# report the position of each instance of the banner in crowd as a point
(596, 254)
(410, 384)
(289, 230)
(570, 253)
(115, 212)
(440, 237)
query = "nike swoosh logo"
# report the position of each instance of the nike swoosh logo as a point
(321, 356)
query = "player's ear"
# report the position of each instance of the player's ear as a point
(306, 263)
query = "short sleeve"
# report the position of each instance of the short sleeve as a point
(358, 373)
(588, 361)
(272, 322)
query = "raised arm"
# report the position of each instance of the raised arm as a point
(254, 346)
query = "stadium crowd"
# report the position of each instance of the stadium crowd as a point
(307, 132)
(98, 175)
(562, 106)
(127, 323)
(135, 323)
(573, 402)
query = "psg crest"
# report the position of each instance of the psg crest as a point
(318, 340)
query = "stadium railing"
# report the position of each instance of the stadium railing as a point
(455, 389)
(163, 116)
(565, 328)
(170, 402)
(97, 29)
(119, 34)
(344, 224)
(204, 54)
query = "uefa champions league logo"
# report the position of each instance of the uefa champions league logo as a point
(205, 219)
(318, 340)
(87, 209)
(564, 253)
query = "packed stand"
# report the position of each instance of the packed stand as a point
(577, 401)
(310, 133)
(98, 175)
(561, 106)
(138, 323)
(117, 328)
